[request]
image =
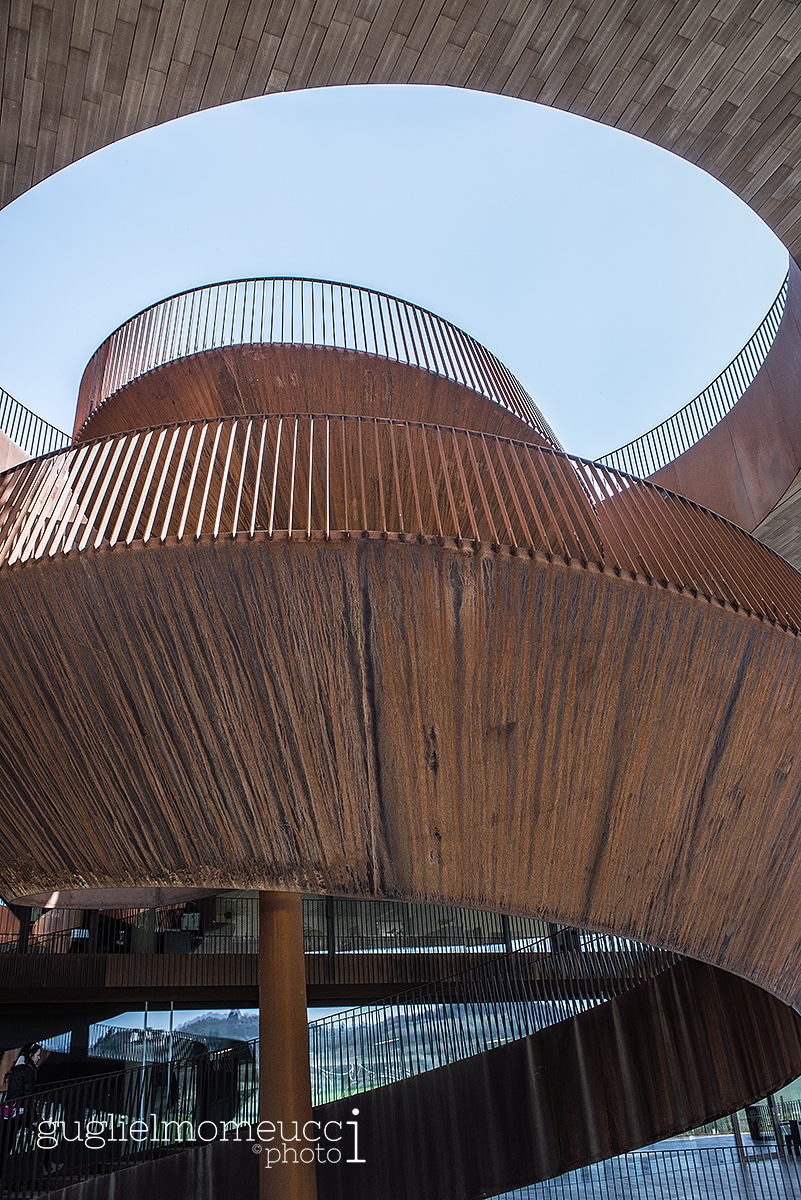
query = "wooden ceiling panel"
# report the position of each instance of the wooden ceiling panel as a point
(719, 83)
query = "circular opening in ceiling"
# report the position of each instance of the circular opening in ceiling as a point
(613, 278)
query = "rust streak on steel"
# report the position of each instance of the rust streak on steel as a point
(297, 807)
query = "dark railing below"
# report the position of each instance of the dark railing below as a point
(505, 998)
(121, 1117)
(229, 924)
(691, 1173)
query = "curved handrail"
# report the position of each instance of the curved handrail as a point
(325, 477)
(310, 312)
(655, 449)
(30, 432)
(511, 996)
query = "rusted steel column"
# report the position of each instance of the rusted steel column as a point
(284, 1070)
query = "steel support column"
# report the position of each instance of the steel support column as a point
(284, 1070)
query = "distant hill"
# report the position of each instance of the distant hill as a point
(242, 1027)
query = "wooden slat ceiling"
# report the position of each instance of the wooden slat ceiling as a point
(716, 81)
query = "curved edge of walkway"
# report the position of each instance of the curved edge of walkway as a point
(745, 464)
(692, 1044)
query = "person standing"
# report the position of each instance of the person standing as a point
(22, 1076)
(16, 1112)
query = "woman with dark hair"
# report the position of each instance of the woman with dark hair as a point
(15, 1110)
(21, 1078)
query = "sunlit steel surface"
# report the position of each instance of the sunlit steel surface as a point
(332, 477)
(304, 312)
(373, 657)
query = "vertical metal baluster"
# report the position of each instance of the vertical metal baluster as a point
(311, 463)
(68, 527)
(503, 455)
(257, 483)
(446, 476)
(396, 475)
(465, 490)
(356, 345)
(146, 488)
(570, 472)
(327, 478)
(378, 346)
(342, 427)
(103, 488)
(292, 479)
(132, 483)
(380, 301)
(413, 473)
(189, 431)
(224, 480)
(271, 524)
(161, 483)
(422, 338)
(36, 507)
(380, 474)
(359, 426)
(430, 472)
(245, 448)
(191, 486)
(400, 312)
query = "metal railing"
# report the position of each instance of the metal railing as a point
(25, 429)
(122, 1117)
(660, 445)
(309, 312)
(229, 924)
(87, 1128)
(328, 477)
(146, 1045)
(90, 1128)
(496, 1002)
(694, 1173)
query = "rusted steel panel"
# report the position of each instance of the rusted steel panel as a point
(692, 1043)
(294, 345)
(290, 379)
(217, 1171)
(386, 718)
(325, 477)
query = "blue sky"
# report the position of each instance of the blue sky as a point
(614, 279)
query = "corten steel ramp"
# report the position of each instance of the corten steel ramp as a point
(529, 1079)
(691, 1044)
(684, 1044)
(480, 672)
(371, 656)
(742, 464)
